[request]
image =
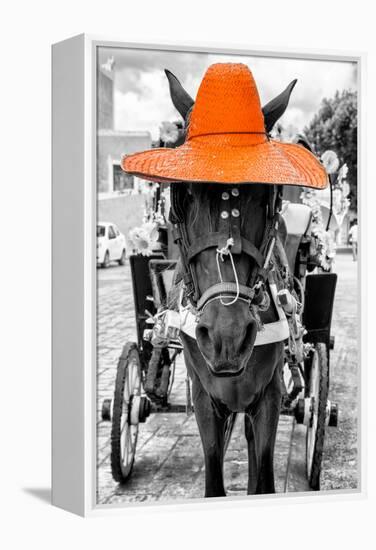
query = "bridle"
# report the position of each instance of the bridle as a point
(227, 241)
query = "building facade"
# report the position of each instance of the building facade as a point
(121, 197)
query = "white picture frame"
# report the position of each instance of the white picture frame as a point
(74, 269)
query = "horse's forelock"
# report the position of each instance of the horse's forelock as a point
(202, 205)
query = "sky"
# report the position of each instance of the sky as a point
(142, 100)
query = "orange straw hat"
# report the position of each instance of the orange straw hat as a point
(227, 142)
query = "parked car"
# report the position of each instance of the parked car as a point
(110, 244)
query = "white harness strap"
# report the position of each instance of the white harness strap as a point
(277, 331)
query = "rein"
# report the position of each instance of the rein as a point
(227, 241)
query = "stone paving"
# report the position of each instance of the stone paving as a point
(169, 459)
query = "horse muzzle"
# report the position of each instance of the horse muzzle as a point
(227, 369)
(225, 337)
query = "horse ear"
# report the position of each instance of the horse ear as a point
(276, 107)
(302, 140)
(180, 98)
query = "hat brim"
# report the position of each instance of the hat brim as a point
(205, 161)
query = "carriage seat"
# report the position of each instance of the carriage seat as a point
(297, 218)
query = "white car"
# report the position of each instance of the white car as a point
(110, 244)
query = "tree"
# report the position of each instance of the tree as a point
(335, 127)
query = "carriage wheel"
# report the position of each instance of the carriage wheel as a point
(318, 393)
(127, 399)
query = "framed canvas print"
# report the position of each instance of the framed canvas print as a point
(206, 284)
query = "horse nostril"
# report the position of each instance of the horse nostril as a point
(202, 333)
(248, 336)
(203, 336)
(226, 341)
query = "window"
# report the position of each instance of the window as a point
(111, 232)
(101, 231)
(122, 180)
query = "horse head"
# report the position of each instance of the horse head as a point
(227, 326)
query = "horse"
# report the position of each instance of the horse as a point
(229, 374)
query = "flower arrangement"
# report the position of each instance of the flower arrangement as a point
(330, 161)
(341, 190)
(325, 245)
(144, 239)
(340, 206)
(169, 132)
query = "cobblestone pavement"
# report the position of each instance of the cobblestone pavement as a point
(169, 460)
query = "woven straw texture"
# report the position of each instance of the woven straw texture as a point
(226, 141)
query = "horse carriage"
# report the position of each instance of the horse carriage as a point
(248, 304)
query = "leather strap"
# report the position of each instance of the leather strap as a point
(211, 240)
(250, 249)
(223, 289)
